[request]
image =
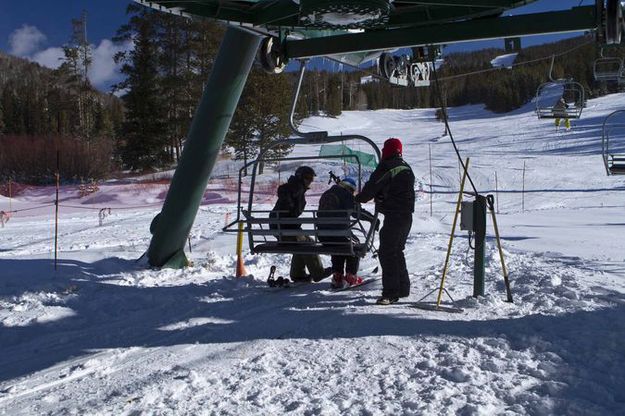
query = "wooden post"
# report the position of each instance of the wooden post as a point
(431, 195)
(504, 270)
(451, 236)
(56, 215)
(523, 190)
(10, 196)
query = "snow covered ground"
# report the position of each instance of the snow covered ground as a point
(104, 334)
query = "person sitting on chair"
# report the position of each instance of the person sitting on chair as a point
(340, 197)
(291, 203)
(559, 111)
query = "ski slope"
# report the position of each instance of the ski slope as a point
(104, 334)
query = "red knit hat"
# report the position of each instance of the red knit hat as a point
(391, 148)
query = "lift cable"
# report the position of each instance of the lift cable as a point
(439, 97)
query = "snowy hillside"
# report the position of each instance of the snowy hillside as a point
(104, 334)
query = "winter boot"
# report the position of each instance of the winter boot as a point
(353, 280)
(386, 301)
(337, 280)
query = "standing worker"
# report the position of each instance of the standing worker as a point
(291, 203)
(392, 187)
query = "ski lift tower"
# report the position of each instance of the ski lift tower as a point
(287, 30)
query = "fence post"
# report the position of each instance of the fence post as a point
(56, 215)
(10, 196)
(431, 195)
(523, 190)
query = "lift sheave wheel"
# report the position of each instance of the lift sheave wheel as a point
(270, 56)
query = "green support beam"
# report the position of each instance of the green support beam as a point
(574, 20)
(212, 118)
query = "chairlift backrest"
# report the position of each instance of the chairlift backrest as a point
(613, 143)
(608, 69)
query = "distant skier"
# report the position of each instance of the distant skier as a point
(340, 197)
(392, 186)
(291, 203)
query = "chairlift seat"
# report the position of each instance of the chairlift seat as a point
(344, 243)
(279, 247)
(616, 164)
(573, 112)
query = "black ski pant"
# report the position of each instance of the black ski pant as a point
(345, 264)
(393, 236)
(341, 264)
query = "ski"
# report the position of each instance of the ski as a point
(364, 282)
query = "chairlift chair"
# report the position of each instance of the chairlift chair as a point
(273, 235)
(613, 155)
(608, 69)
(549, 94)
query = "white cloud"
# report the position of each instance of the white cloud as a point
(103, 70)
(50, 58)
(26, 40)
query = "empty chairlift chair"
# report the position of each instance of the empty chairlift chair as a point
(608, 69)
(613, 143)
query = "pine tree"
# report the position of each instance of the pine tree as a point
(1, 119)
(144, 132)
(262, 116)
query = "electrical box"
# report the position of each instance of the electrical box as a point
(466, 216)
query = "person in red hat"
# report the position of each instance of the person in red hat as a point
(391, 185)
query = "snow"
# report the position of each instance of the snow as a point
(105, 334)
(504, 61)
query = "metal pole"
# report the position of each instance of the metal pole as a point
(479, 227)
(56, 215)
(523, 190)
(451, 237)
(210, 124)
(431, 195)
(10, 196)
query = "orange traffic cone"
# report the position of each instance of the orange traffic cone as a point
(241, 271)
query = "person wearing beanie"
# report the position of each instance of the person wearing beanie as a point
(340, 197)
(391, 185)
(291, 203)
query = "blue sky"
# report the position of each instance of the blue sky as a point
(38, 28)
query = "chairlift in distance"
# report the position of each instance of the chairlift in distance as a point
(560, 98)
(273, 235)
(613, 155)
(608, 68)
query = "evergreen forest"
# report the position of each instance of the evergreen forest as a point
(141, 123)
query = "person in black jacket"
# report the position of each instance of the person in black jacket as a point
(291, 203)
(340, 197)
(392, 187)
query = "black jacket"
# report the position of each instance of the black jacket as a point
(291, 199)
(392, 186)
(339, 198)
